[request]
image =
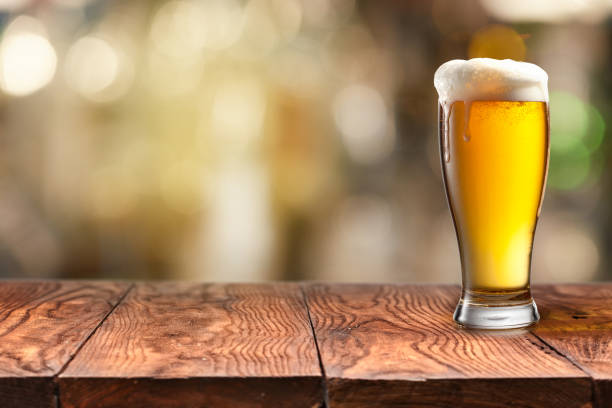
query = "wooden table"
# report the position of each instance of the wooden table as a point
(118, 344)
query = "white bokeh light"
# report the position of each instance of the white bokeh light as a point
(27, 58)
(550, 11)
(95, 69)
(92, 65)
(236, 240)
(361, 116)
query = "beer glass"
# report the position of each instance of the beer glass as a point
(494, 144)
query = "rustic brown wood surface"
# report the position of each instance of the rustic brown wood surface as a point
(42, 325)
(103, 344)
(393, 345)
(577, 322)
(199, 345)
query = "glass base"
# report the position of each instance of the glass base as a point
(496, 317)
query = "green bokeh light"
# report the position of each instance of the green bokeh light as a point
(577, 130)
(569, 121)
(570, 169)
(596, 130)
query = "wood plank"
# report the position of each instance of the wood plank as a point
(577, 322)
(42, 325)
(199, 345)
(384, 345)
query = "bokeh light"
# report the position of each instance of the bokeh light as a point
(224, 20)
(184, 28)
(361, 116)
(177, 28)
(577, 130)
(286, 15)
(497, 41)
(238, 110)
(96, 70)
(553, 11)
(277, 139)
(569, 170)
(27, 58)
(260, 34)
(238, 239)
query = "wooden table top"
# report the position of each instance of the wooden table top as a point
(175, 344)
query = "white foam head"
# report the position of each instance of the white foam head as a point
(487, 79)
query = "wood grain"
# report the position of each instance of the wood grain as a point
(199, 345)
(577, 322)
(42, 325)
(384, 345)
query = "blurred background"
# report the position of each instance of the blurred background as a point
(247, 140)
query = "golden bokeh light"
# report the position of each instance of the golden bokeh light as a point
(497, 41)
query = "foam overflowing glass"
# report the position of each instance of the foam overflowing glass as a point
(494, 147)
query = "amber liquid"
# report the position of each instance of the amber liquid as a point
(494, 163)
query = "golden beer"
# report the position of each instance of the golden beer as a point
(494, 181)
(494, 155)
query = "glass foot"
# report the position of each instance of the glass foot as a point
(496, 317)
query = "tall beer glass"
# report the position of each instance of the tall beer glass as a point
(493, 122)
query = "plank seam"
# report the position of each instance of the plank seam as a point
(572, 362)
(56, 390)
(316, 342)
